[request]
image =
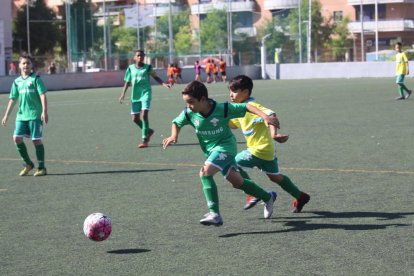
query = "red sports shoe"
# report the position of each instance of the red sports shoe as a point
(251, 202)
(144, 144)
(299, 203)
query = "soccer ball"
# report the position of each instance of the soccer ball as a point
(97, 227)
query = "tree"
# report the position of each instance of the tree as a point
(178, 21)
(124, 39)
(340, 42)
(214, 32)
(183, 40)
(278, 38)
(42, 23)
(321, 30)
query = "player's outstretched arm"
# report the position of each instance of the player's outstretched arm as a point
(124, 90)
(159, 80)
(175, 130)
(9, 109)
(270, 120)
(278, 137)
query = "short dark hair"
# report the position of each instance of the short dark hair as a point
(399, 44)
(195, 89)
(26, 56)
(139, 51)
(241, 82)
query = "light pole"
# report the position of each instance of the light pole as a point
(361, 16)
(170, 33)
(229, 32)
(263, 56)
(28, 26)
(104, 38)
(68, 40)
(300, 31)
(138, 35)
(309, 31)
(199, 28)
(376, 30)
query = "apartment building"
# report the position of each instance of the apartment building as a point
(394, 22)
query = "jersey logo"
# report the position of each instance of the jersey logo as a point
(247, 156)
(196, 122)
(214, 121)
(222, 156)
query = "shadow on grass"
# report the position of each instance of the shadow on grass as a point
(304, 225)
(129, 251)
(378, 215)
(111, 172)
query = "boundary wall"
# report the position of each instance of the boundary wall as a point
(333, 70)
(284, 72)
(115, 78)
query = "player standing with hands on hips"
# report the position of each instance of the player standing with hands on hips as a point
(30, 91)
(138, 74)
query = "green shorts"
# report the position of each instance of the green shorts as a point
(223, 161)
(136, 107)
(245, 159)
(399, 79)
(30, 129)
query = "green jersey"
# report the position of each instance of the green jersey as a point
(213, 130)
(27, 91)
(139, 77)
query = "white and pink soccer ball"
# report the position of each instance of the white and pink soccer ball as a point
(97, 227)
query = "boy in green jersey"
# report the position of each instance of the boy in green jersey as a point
(211, 123)
(30, 91)
(401, 70)
(260, 151)
(139, 75)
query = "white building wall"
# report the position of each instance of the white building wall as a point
(6, 39)
(2, 54)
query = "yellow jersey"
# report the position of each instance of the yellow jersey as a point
(401, 64)
(255, 131)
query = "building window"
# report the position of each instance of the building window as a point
(337, 16)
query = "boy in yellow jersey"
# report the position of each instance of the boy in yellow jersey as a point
(260, 150)
(400, 71)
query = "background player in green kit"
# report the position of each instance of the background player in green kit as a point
(260, 150)
(139, 75)
(211, 122)
(30, 91)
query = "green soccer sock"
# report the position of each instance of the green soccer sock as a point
(288, 186)
(145, 129)
(40, 154)
(22, 150)
(244, 174)
(251, 188)
(402, 88)
(211, 193)
(138, 123)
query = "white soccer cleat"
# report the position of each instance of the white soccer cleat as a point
(212, 219)
(268, 207)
